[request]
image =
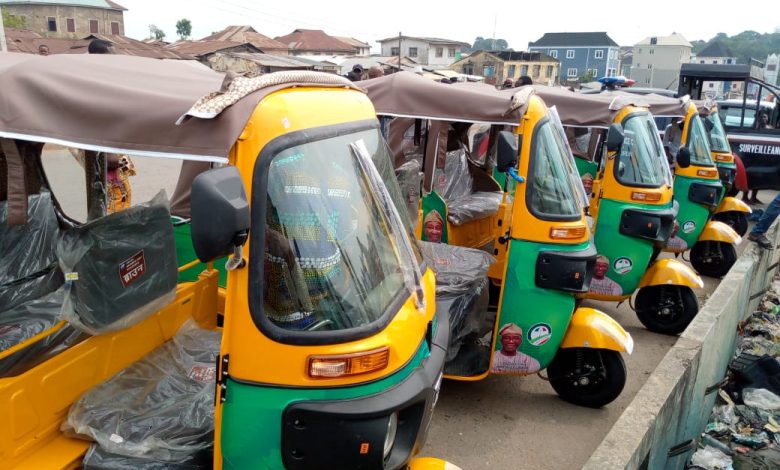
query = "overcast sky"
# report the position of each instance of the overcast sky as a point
(518, 22)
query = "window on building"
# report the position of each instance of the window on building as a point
(524, 70)
(569, 53)
(451, 52)
(93, 27)
(652, 51)
(729, 61)
(593, 72)
(439, 52)
(714, 61)
(52, 24)
(70, 25)
(599, 54)
(549, 72)
(653, 41)
(701, 61)
(511, 71)
(649, 66)
(412, 52)
(114, 27)
(393, 51)
(468, 69)
(712, 85)
(571, 72)
(536, 70)
(554, 54)
(488, 70)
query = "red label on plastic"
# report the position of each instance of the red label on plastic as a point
(132, 268)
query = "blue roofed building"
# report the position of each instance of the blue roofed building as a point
(580, 54)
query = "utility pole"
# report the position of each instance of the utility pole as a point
(399, 51)
(495, 19)
(3, 45)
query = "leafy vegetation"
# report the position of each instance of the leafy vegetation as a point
(746, 45)
(13, 21)
(489, 44)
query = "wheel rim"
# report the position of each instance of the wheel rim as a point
(668, 310)
(587, 374)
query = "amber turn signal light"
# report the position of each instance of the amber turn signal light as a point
(329, 367)
(567, 233)
(724, 158)
(645, 197)
(707, 173)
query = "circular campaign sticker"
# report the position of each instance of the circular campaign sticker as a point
(689, 226)
(539, 334)
(622, 265)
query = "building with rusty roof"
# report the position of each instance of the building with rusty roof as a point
(361, 48)
(72, 19)
(247, 34)
(256, 64)
(316, 42)
(202, 50)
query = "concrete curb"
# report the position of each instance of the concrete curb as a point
(673, 406)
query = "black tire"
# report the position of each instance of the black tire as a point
(734, 219)
(713, 259)
(587, 377)
(666, 309)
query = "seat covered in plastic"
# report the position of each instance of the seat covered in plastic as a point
(466, 198)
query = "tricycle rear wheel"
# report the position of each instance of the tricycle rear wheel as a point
(587, 377)
(666, 309)
(713, 259)
(734, 219)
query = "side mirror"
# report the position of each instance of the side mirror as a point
(220, 213)
(615, 137)
(507, 151)
(683, 157)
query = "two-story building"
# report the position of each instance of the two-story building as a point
(658, 59)
(497, 66)
(592, 54)
(715, 53)
(432, 52)
(73, 19)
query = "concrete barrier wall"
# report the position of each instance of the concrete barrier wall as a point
(673, 406)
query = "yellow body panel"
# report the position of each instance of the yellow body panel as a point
(278, 114)
(611, 188)
(671, 272)
(719, 232)
(733, 204)
(591, 328)
(525, 225)
(429, 463)
(474, 233)
(33, 404)
(698, 172)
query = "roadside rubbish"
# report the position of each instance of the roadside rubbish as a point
(743, 431)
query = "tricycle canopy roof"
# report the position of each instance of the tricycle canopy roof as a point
(406, 94)
(600, 109)
(134, 105)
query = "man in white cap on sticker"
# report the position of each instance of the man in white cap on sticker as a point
(508, 358)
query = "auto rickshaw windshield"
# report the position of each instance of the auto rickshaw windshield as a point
(718, 139)
(335, 256)
(642, 161)
(550, 194)
(699, 143)
(574, 175)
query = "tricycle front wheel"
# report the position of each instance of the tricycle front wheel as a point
(666, 309)
(587, 377)
(734, 219)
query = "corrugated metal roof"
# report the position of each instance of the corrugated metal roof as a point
(201, 48)
(427, 39)
(245, 33)
(574, 39)
(105, 4)
(25, 41)
(128, 46)
(352, 41)
(314, 40)
(270, 60)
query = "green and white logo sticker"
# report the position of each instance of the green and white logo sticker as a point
(539, 334)
(689, 226)
(622, 265)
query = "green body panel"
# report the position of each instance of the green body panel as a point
(631, 254)
(692, 216)
(585, 166)
(185, 253)
(528, 306)
(430, 202)
(252, 414)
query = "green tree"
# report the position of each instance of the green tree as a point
(490, 44)
(184, 28)
(13, 21)
(156, 33)
(587, 77)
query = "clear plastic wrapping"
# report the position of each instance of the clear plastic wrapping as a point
(410, 178)
(30, 318)
(461, 289)
(161, 407)
(28, 265)
(454, 180)
(99, 459)
(119, 269)
(473, 207)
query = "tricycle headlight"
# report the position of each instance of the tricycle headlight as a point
(392, 429)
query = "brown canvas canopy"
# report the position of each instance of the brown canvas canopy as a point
(120, 104)
(599, 109)
(406, 94)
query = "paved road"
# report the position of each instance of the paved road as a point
(500, 422)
